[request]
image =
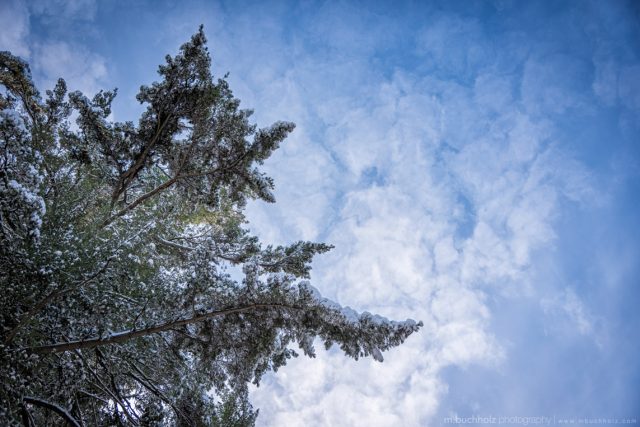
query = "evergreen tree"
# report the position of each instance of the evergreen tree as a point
(119, 244)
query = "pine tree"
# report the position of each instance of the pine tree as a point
(132, 292)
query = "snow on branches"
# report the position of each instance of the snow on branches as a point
(117, 242)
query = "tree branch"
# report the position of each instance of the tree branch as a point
(102, 386)
(120, 337)
(172, 244)
(141, 199)
(48, 299)
(53, 407)
(155, 191)
(130, 174)
(169, 183)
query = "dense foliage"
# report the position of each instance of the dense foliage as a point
(130, 293)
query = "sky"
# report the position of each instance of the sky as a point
(476, 165)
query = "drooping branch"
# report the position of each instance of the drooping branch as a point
(148, 384)
(53, 407)
(120, 337)
(122, 401)
(111, 391)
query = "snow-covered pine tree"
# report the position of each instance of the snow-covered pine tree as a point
(116, 245)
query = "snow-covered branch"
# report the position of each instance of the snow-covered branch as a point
(123, 336)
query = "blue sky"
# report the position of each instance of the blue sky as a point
(476, 165)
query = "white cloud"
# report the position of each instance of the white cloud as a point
(493, 91)
(437, 187)
(616, 83)
(14, 21)
(605, 83)
(569, 306)
(436, 193)
(65, 9)
(343, 28)
(629, 87)
(446, 30)
(554, 83)
(398, 251)
(83, 70)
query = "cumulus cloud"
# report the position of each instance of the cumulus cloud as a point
(452, 217)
